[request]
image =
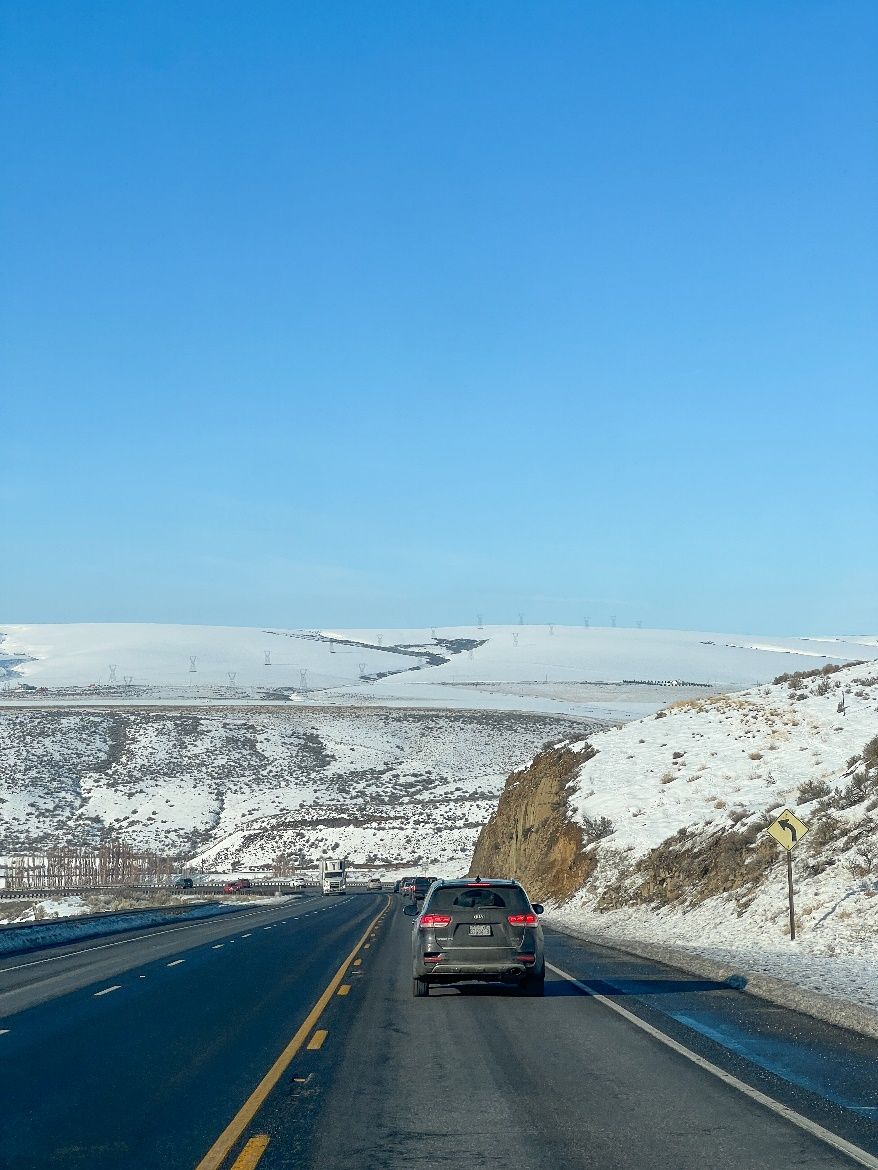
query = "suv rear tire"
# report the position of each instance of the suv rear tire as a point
(420, 987)
(534, 985)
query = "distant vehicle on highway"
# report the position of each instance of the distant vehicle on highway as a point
(420, 886)
(375, 884)
(238, 886)
(405, 885)
(482, 929)
(298, 883)
(244, 883)
(182, 883)
(333, 875)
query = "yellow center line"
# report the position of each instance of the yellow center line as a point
(218, 1152)
(317, 1039)
(344, 989)
(251, 1153)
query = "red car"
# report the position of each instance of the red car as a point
(237, 887)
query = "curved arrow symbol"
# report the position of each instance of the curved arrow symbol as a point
(783, 823)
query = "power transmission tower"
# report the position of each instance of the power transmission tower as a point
(128, 679)
(232, 674)
(521, 619)
(192, 660)
(332, 647)
(613, 621)
(481, 623)
(113, 670)
(551, 631)
(267, 654)
(515, 639)
(362, 669)
(303, 680)
(585, 622)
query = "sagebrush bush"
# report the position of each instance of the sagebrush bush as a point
(813, 790)
(596, 828)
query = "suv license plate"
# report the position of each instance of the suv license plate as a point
(482, 931)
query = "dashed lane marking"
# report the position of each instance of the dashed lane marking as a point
(3, 1031)
(251, 1153)
(317, 1039)
(217, 946)
(805, 1123)
(245, 936)
(121, 942)
(219, 1151)
(107, 990)
(176, 963)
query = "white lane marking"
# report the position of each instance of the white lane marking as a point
(141, 976)
(107, 990)
(3, 1031)
(176, 963)
(122, 941)
(245, 936)
(797, 1119)
(217, 947)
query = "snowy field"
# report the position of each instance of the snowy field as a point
(244, 786)
(677, 786)
(602, 673)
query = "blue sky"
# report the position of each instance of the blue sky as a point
(386, 314)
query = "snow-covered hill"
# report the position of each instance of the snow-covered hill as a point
(239, 787)
(593, 673)
(675, 809)
(240, 745)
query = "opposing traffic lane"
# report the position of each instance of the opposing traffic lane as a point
(32, 977)
(145, 1067)
(483, 1077)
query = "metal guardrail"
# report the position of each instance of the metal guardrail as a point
(281, 886)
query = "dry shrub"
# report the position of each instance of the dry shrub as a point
(688, 871)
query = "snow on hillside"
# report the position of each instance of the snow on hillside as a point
(679, 803)
(603, 673)
(243, 786)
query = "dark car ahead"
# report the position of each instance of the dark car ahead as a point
(419, 887)
(481, 929)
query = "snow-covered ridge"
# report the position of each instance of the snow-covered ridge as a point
(597, 672)
(702, 779)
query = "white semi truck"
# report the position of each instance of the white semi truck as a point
(333, 875)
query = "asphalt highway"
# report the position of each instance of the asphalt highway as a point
(288, 1038)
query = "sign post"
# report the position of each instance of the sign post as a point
(788, 831)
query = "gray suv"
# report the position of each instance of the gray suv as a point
(477, 928)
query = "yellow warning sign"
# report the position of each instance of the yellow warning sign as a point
(787, 830)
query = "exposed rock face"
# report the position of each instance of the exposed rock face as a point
(530, 837)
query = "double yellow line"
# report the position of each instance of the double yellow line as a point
(219, 1151)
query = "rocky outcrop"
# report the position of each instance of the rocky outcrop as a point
(531, 837)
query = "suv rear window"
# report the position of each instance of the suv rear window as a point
(474, 897)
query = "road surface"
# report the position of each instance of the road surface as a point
(287, 1036)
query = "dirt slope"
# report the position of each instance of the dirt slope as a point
(530, 837)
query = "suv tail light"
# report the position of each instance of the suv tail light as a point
(522, 919)
(428, 921)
